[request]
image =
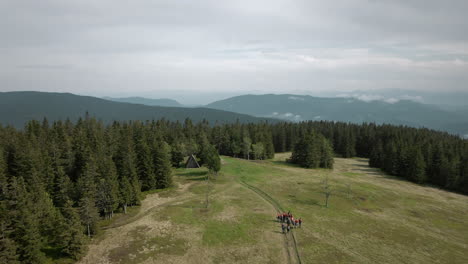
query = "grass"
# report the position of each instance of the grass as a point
(371, 218)
(141, 248)
(366, 222)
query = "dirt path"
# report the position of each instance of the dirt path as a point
(119, 234)
(290, 239)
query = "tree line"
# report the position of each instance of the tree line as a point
(417, 154)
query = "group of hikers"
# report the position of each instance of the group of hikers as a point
(288, 221)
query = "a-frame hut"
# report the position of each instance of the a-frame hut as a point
(192, 162)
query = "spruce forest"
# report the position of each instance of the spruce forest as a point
(57, 181)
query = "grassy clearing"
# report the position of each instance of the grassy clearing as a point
(372, 218)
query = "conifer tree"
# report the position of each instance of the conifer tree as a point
(26, 231)
(81, 151)
(390, 158)
(87, 191)
(88, 213)
(246, 147)
(125, 193)
(62, 188)
(376, 155)
(107, 188)
(162, 162)
(307, 152)
(416, 166)
(269, 148)
(129, 187)
(144, 164)
(8, 246)
(177, 154)
(71, 238)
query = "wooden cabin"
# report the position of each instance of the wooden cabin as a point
(192, 162)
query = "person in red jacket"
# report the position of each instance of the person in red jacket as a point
(300, 222)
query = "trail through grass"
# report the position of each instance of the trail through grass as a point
(372, 218)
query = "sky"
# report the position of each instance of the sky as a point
(200, 51)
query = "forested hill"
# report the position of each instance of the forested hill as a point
(301, 108)
(16, 108)
(146, 101)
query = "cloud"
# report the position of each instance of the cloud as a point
(287, 116)
(45, 66)
(415, 98)
(377, 97)
(296, 98)
(194, 49)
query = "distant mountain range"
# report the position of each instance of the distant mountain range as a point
(16, 108)
(300, 107)
(146, 101)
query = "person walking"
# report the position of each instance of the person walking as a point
(300, 222)
(283, 228)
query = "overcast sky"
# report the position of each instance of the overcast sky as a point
(198, 51)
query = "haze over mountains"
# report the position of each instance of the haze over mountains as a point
(364, 108)
(146, 101)
(302, 107)
(16, 108)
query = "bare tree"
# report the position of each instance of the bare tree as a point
(326, 190)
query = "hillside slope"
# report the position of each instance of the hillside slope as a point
(16, 108)
(300, 107)
(371, 218)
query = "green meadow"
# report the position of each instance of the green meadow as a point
(371, 218)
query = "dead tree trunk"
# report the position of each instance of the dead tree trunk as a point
(327, 196)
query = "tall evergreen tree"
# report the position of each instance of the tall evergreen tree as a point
(162, 162)
(87, 203)
(417, 167)
(177, 154)
(8, 246)
(144, 166)
(71, 238)
(107, 193)
(26, 230)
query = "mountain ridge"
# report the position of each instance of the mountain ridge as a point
(346, 109)
(16, 108)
